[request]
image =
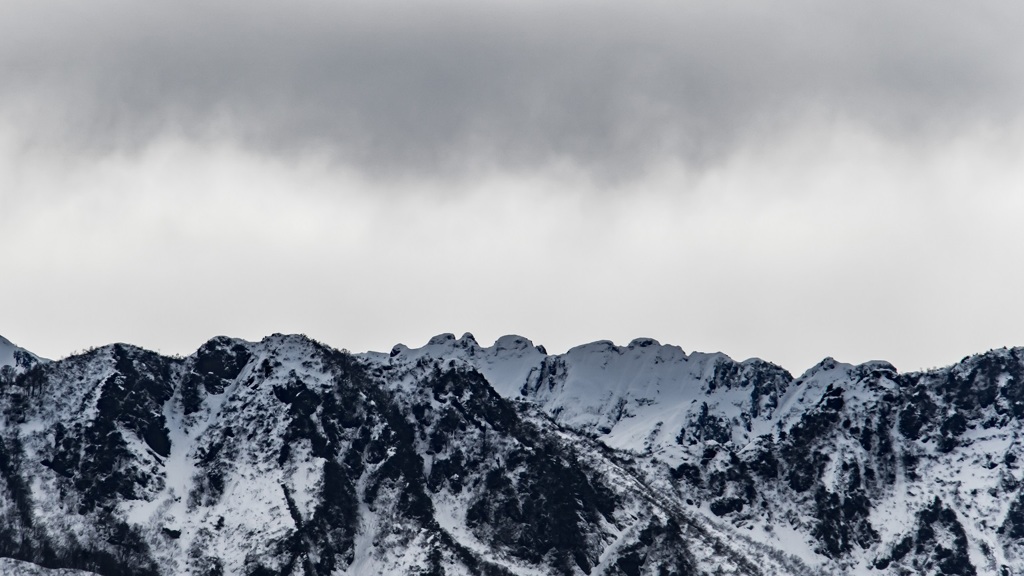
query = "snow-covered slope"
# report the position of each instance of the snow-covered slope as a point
(640, 397)
(12, 567)
(15, 360)
(286, 456)
(847, 468)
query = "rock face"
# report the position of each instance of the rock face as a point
(288, 457)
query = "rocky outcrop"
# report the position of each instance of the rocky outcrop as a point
(286, 456)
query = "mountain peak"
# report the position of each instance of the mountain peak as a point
(440, 340)
(513, 342)
(643, 343)
(286, 457)
(7, 349)
(15, 356)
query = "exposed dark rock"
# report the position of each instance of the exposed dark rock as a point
(347, 458)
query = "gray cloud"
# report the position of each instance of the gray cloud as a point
(370, 173)
(445, 87)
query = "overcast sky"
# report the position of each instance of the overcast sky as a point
(785, 180)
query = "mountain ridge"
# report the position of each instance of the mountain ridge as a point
(286, 456)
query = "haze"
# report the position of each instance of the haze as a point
(782, 180)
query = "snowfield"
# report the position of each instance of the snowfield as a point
(286, 456)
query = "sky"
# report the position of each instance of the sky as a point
(786, 181)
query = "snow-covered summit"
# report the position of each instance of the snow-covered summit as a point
(7, 349)
(636, 397)
(286, 456)
(15, 359)
(506, 364)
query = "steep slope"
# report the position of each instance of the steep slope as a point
(18, 568)
(851, 469)
(286, 456)
(640, 397)
(15, 360)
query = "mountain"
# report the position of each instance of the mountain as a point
(286, 456)
(15, 360)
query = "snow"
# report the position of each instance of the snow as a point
(637, 399)
(507, 364)
(7, 351)
(450, 513)
(12, 567)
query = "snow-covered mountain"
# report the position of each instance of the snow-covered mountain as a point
(286, 456)
(14, 360)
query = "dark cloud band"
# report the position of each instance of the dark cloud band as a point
(445, 87)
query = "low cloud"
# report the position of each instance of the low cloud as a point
(784, 181)
(446, 88)
(847, 245)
